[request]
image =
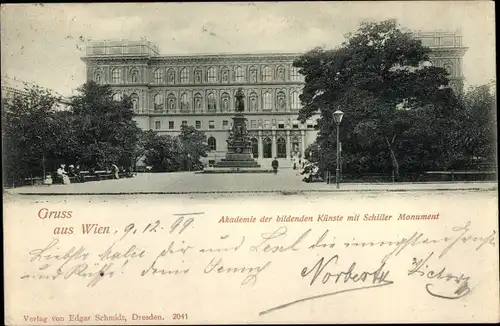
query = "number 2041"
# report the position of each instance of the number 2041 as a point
(179, 316)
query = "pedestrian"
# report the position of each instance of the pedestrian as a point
(114, 171)
(295, 163)
(61, 174)
(275, 165)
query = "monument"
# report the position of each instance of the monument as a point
(239, 156)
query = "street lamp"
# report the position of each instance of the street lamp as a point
(337, 116)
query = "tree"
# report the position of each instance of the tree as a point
(377, 78)
(105, 130)
(33, 133)
(162, 152)
(193, 145)
(479, 127)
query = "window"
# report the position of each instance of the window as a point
(267, 74)
(117, 97)
(255, 147)
(211, 124)
(449, 67)
(212, 143)
(295, 124)
(158, 101)
(157, 124)
(184, 102)
(253, 74)
(239, 74)
(197, 124)
(171, 125)
(267, 124)
(116, 76)
(295, 100)
(135, 101)
(212, 75)
(212, 106)
(295, 75)
(281, 142)
(184, 76)
(253, 124)
(158, 74)
(253, 102)
(281, 124)
(310, 124)
(225, 124)
(267, 101)
(267, 148)
(184, 123)
(280, 73)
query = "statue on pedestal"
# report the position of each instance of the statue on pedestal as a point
(240, 102)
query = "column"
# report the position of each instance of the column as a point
(274, 144)
(261, 145)
(288, 144)
(303, 148)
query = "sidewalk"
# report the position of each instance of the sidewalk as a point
(191, 183)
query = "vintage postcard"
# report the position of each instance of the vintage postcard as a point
(234, 163)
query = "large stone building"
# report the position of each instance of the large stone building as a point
(170, 90)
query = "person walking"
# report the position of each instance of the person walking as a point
(275, 165)
(114, 171)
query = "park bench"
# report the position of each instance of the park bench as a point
(452, 174)
(34, 181)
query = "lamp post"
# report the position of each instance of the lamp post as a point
(337, 116)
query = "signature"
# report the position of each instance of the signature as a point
(460, 288)
(367, 279)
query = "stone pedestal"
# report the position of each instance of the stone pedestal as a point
(239, 147)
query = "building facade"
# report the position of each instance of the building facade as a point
(199, 90)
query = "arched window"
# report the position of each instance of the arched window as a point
(184, 76)
(267, 101)
(158, 102)
(212, 143)
(239, 74)
(134, 76)
(197, 103)
(212, 105)
(281, 142)
(171, 76)
(135, 101)
(225, 75)
(295, 75)
(255, 147)
(116, 75)
(267, 148)
(117, 97)
(267, 74)
(281, 102)
(225, 102)
(253, 74)
(184, 102)
(197, 75)
(253, 102)
(171, 103)
(158, 74)
(295, 100)
(212, 75)
(280, 73)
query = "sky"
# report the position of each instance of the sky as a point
(43, 44)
